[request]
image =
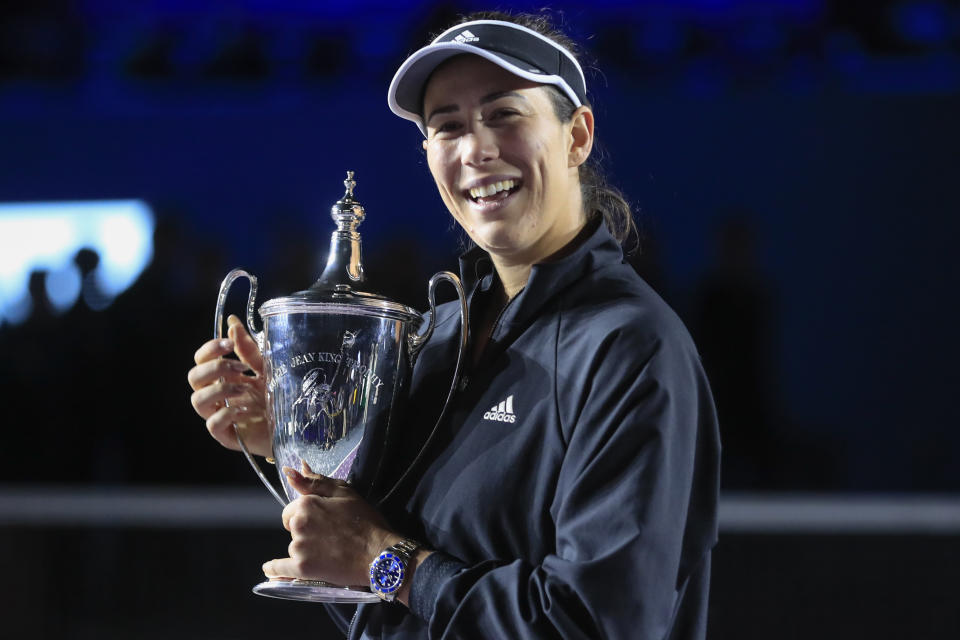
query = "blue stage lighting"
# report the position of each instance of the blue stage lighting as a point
(46, 236)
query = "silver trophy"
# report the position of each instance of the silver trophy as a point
(336, 362)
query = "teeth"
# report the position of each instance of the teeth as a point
(490, 189)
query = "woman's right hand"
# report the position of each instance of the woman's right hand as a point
(216, 379)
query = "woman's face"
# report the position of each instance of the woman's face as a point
(505, 166)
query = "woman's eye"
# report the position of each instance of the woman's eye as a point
(503, 113)
(447, 127)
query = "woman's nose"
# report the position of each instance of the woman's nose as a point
(478, 146)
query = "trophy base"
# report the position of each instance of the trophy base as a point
(313, 591)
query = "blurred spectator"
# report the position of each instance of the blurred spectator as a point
(154, 327)
(41, 40)
(732, 323)
(91, 294)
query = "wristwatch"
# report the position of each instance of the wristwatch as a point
(389, 569)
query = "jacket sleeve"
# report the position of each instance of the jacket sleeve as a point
(634, 511)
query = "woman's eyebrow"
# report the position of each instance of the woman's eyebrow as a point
(496, 95)
(447, 108)
(490, 97)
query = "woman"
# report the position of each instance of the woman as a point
(572, 489)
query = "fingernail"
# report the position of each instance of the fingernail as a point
(226, 343)
(232, 319)
(238, 365)
(291, 473)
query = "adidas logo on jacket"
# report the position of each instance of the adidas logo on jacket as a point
(502, 412)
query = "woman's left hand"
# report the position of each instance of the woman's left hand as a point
(335, 532)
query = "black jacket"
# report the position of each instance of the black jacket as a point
(572, 489)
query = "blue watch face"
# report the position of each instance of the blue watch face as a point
(386, 574)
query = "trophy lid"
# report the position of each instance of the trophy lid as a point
(335, 290)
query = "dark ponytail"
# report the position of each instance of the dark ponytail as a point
(600, 199)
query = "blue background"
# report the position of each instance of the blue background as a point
(795, 171)
(827, 131)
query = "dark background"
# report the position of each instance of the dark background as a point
(795, 167)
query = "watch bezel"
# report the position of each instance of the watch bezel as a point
(379, 565)
(401, 553)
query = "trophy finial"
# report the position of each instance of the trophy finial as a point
(344, 265)
(347, 212)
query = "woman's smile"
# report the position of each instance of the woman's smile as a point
(491, 195)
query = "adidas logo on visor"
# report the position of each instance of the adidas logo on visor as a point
(502, 412)
(466, 36)
(513, 47)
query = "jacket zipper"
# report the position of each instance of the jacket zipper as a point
(496, 322)
(352, 620)
(465, 380)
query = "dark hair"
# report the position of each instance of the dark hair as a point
(600, 199)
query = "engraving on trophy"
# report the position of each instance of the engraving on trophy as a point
(322, 398)
(328, 395)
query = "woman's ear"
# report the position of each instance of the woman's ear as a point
(581, 136)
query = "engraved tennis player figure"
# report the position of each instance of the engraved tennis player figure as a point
(321, 401)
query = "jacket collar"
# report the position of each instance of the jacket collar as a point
(597, 249)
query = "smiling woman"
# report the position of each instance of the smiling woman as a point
(571, 490)
(487, 127)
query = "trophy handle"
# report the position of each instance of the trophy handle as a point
(416, 343)
(258, 336)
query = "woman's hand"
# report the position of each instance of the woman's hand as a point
(335, 532)
(215, 380)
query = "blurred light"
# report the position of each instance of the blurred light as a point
(922, 23)
(129, 236)
(63, 287)
(18, 311)
(46, 236)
